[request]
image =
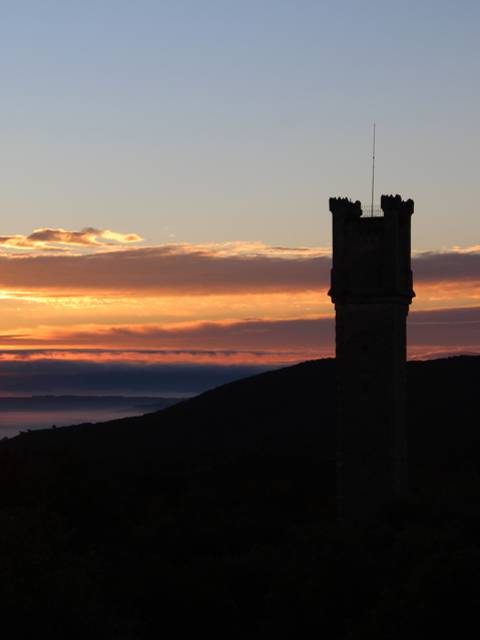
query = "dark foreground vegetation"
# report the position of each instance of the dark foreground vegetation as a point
(215, 517)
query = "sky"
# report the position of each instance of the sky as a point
(165, 172)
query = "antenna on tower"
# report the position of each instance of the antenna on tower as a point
(373, 170)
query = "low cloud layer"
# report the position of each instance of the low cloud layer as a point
(453, 329)
(167, 270)
(460, 265)
(253, 346)
(234, 268)
(74, 377)
(190, 358)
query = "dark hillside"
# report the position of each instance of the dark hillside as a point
(262, 412)
(216, 515)
(444, 434)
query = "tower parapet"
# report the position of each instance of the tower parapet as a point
(372, 288)
(371, 254)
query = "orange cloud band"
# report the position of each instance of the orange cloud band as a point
(451, 330)
(200, 270)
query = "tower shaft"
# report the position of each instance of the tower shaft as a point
(372, 291)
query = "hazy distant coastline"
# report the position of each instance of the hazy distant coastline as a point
(43, 411)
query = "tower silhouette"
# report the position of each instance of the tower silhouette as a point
(371, 287)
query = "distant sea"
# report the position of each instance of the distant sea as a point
(43, 412)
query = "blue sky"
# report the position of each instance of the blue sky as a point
(220, 120)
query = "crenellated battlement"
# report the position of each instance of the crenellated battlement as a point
(389, 205)
(395, 205)
(345, 207)
(371, 251)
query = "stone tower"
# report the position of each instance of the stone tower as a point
(371, 287)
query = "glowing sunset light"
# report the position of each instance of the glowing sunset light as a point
(227, 302)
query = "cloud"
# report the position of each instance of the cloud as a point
(74, 377)
(169, 270)
(191, 357)
(296, 338)
(201, 269)
(445, 328)
(58, 239)
(157, 356)
(300, 335)
(472, 249)
(447, 266)
(254, 346)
